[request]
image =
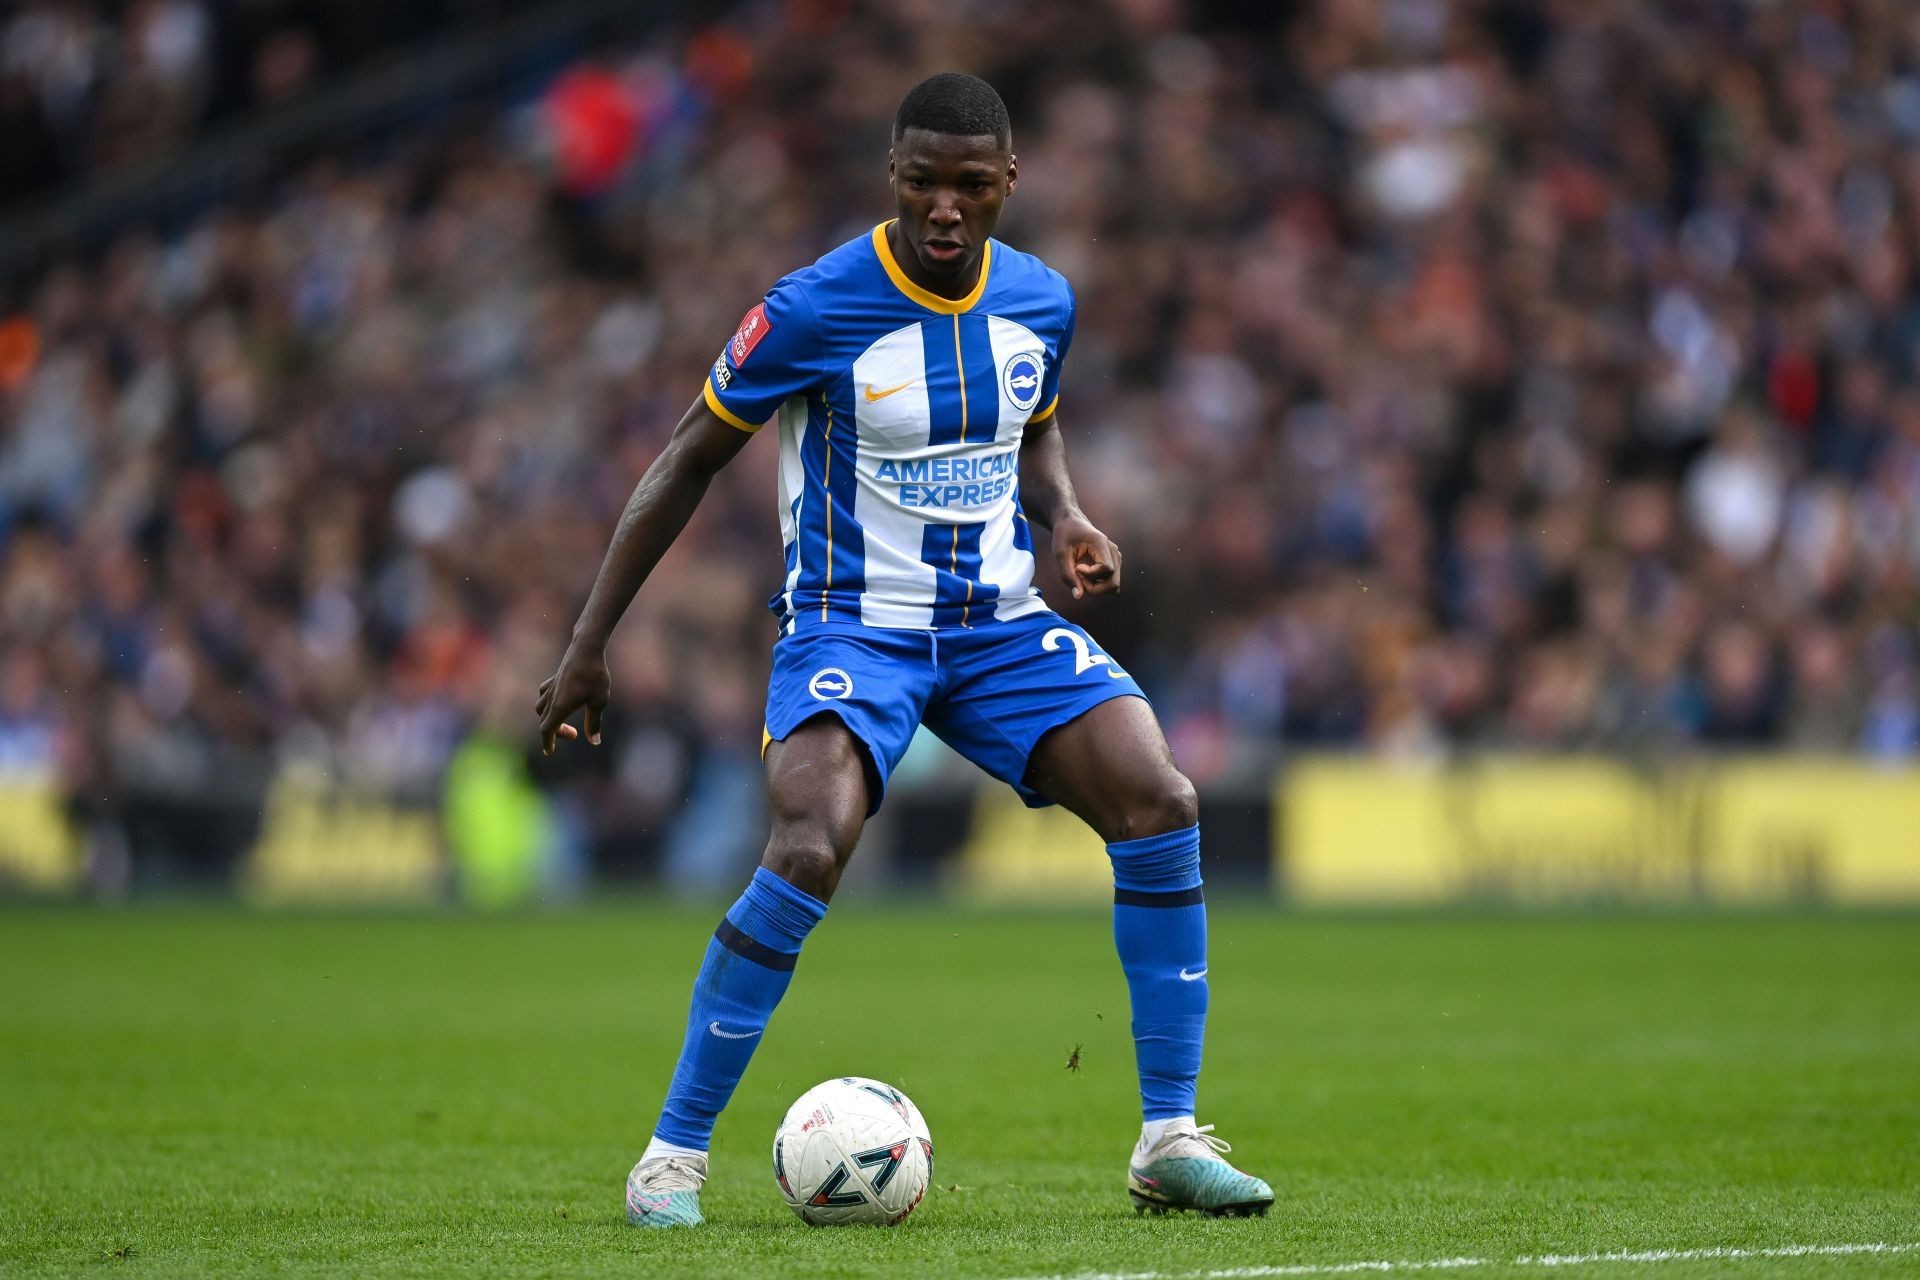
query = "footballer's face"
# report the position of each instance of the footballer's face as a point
(949, 190)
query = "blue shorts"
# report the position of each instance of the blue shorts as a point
(990, 692)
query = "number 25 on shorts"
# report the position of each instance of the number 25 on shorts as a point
(1083, 657)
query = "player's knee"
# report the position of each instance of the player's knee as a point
(812, 838)
(809, 847)
(1169, 803)
(817, 795)
(807, 861)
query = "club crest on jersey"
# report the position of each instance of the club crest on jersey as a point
(753, 327)
(1020, 379)
(830, 684)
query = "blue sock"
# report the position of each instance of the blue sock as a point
(748, 966)
(1160, 929)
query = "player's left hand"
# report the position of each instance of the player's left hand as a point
(1088, 560)
(581, 681)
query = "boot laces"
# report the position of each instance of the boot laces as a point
(1203, 1138)
(672, 1173)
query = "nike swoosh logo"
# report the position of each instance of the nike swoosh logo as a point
(731, 1035)
(1195, 976)
(873, 395)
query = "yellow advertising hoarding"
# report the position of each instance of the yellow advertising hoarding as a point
(39, 849)
(322, 843)
(1519, 829)
(1013, 853)
(1348, 832)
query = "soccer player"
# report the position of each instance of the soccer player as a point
(915, 375)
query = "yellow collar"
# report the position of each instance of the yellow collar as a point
(931, 301)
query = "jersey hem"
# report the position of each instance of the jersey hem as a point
(891, 615)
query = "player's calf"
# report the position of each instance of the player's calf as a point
(1160, 931)
(747, 968)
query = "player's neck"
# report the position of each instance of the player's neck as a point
(953, 288)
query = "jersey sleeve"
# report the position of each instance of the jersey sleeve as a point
(775, 353)
(1050, 382)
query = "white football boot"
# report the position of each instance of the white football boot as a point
(665, 1191)
(1185, 1169)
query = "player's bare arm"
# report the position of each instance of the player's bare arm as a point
(659, 508)
(1089, 561)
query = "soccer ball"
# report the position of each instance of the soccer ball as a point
(853, 1150)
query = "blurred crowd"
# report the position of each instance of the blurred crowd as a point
(1518, 375)
(93, 86)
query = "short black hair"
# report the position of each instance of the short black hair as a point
(957, 103)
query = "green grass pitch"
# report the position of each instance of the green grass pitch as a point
(193, 1091)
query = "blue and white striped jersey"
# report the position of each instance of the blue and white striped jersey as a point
(900, 414)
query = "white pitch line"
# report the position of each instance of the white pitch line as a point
(1526, 1260)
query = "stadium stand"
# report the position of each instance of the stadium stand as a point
(1453, 376)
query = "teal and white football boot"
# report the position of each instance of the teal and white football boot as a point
(1184, 1170)
(665, 1191)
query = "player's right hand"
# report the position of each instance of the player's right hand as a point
(581, 681)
